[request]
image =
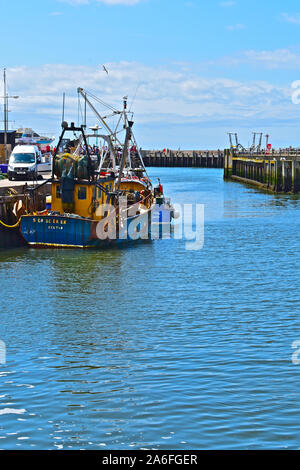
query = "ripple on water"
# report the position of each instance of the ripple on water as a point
(154, 346)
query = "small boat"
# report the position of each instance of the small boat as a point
(97, 199)
(29, 137)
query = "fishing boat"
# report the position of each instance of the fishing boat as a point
(97, 201)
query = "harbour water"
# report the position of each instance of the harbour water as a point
(153, 346)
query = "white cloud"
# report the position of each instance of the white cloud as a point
(276, 59)
(235, 27)
(75, 2)
(295, 19)
(120, 2)
(167, 97)
(279, 58)
(227, 4)
(107, 2)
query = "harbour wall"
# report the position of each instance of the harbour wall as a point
(184, 158)
(278, 172)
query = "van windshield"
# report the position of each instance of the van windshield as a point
(23, 158)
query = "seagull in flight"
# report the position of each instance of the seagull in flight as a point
(105, 69)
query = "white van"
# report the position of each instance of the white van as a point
(25, 162)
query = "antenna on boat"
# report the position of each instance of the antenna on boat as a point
(124, 153)
(63, 108)
(85, 111)
(136, 90)
(83, 93)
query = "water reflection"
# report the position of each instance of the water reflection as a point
(249, 202)
(144, 346)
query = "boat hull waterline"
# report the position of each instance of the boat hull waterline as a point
(77, 232)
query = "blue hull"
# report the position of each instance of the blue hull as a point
(77, 232)
(57, 231)
(64, 231)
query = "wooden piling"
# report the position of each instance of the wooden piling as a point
(278, 172)
(184, 158)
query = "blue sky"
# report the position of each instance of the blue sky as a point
(200, 68)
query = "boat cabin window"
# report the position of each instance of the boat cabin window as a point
(58, 192)
(82, 192)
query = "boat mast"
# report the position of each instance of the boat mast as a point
(83, 94)
(5, 116)
(113, 133)
(125, 151)
(126, 122)
(5, 109)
